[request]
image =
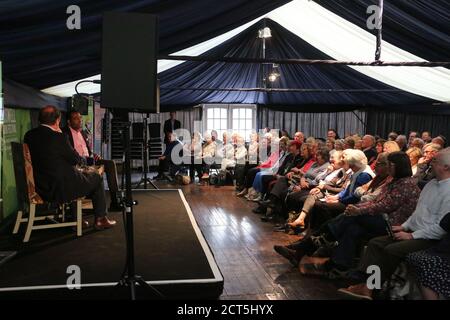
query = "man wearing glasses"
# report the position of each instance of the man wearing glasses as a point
(424, 172)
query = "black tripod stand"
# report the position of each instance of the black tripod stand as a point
(129, 278)
(145, 180)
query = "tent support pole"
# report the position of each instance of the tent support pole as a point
(380, 30)
(360, 120)
(307, 61)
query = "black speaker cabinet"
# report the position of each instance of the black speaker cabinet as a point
(79, 103)
(129, 62)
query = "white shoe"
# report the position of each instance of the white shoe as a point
(257, 198)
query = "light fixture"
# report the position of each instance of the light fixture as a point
(273, 77)
(264, 33)
(275, 74)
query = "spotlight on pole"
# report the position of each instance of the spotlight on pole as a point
(264, 33)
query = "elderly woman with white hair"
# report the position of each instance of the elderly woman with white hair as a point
(208, 154)
(333, 205)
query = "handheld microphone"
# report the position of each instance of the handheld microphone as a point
(86, 128)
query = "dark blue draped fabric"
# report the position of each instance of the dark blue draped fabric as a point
(283, 44)
(421, 27)
(37, 49)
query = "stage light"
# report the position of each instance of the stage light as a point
(275, 74)
(264, 33)
(273, 77)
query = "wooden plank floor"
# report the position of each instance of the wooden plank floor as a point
(243, 248)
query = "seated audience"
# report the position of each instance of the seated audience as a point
(284, 133)
(225, 154)
(379, 146)
(333, 183)
(299, 136)
(392, 136)
(339, 145)
(424, 172)
(412, 135)
(368, 147)
(417, 143)
(165, 160)
(57, 177)
(194, 150)
(333, 205)
(426, 137)
(215, 137)
(269, 163)
(258, 186)
(358, 142)
(349, 143)
(432, 266)
(281, 187)
(397, 198)
(251, 161)
(240, 154)
(390, 146)
(419, 232)
(209, 151)
(402, 142)
(253, 149)
(440, 140)
(292, 160)
(414, 155)
(79, 141)
(330, 146)
(332, 133)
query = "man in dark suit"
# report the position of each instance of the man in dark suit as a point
(165, 160)
(368, 146)
(170, 126)
(78, 139)
(56, 175)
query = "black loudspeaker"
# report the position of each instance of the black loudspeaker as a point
(79, 103)
(129, 62)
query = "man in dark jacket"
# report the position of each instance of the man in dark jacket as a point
(55, 169)
(368, 146)
(78, 139)
(170, 126)
(424, 172)
(166, 162)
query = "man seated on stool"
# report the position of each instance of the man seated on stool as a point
(79, 141)
(55, 168)
(165, 161)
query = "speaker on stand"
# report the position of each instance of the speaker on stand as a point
(129, 84)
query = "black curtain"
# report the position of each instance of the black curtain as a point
(383, 122)
(312, 124)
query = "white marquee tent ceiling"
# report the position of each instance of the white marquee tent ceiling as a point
(335, 37)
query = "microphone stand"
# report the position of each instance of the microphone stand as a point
(145, 180)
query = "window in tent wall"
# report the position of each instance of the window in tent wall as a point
(232, 118)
